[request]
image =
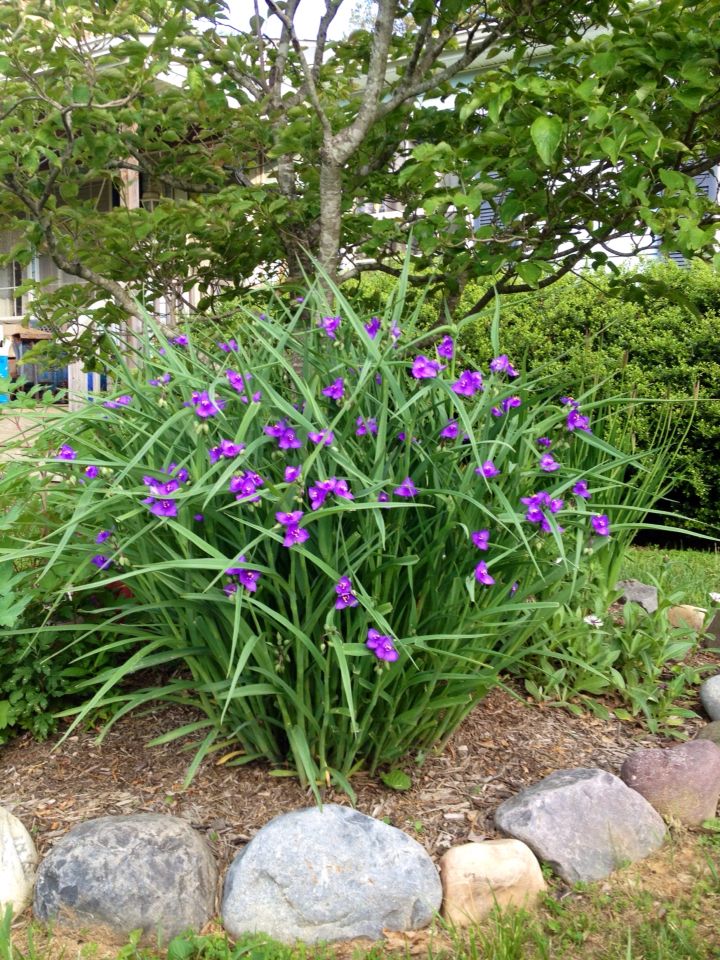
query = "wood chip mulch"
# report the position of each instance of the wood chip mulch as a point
(504, 745)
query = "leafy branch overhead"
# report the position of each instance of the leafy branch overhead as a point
(514, 138)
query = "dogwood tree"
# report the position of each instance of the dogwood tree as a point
(507, 140)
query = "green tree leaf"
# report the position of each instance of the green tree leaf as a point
(546, 133)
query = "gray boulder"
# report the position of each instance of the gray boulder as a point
(682, 782)
(711, 732)
(710, 697)
(636, 592)
(583, 823)
(113, 875)
(330, 874)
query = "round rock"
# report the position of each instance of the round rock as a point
(711, 732)
(18, 859)
(584, 823)
(478, 877)
(710, 697)
(330, 874)
(113, 875)
(682, 782)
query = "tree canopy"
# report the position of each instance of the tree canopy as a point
(514, 140)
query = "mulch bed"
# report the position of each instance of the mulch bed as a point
(503, 746)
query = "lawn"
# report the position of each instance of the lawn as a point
(692, 573)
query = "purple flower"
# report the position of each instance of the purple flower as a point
(381, 645)
(91, 472)
(322, 436)
(406, 489)
(341, 489)
(66, 453)
(164, 507)
(181, 341)
(544, 442)
(103, 536)
(181, 475)
(287, 519)
(225, 449)
(365, 426)
(319, 493)
(446, 348)
(236, 380)
(345, 595)
(395, 333)
(205, 406)
(245, 486)
(335, 390)
(286, 437)
(548, 463)
(330, 325)
(513, 588)
(292, 474)
(423, 368)
(383, 497)
(101, 561)
(160, 489)
(228, 347)
(450, 431)
(568, 402)
(373, 328)
(537, 504)
(510, 402)
(501, 364)
(581, 490)
(122, 401)
(469, 383)
(248, 578)
(165, 378)
(295, 535)
(198, 518)
(600, 524)
(488, 469)
(481, 539)
(576, 421)
(482, 575)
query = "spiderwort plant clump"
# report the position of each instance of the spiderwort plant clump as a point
(338, 557)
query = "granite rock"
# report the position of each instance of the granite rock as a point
(633, 591)
(584, 823)
(113, 875)
(330, 874)
(18, 859)
(477, 877)
(710, 732)
(682, 782)
(710, 696)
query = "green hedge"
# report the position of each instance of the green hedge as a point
(584, 329)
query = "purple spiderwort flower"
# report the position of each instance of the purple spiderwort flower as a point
(507, 404)
(226, 449)
(66, 452)
(241, 384)
(345, 595)
(287, 519)
(181, 341)
(450, 431)
(245, 486)
(446, 348)
(544, 442)
(103, 536)
(537, 504)
(164, 507)
(513, 588)
(204, 405)
(330, 325)
(181, 474)
(286, 437)
(468, 384)
(373, 328)
(198, 517)
(383, 497)
(101, 561)
(92, 472)
(159, 381)
(294, 534)
(248, 578)
(601, 524)
(292, 474)
(365, 426)
(576, 421)
(569, 402)
(230, 347)
(548, 463)
(335, 390)
(488, 469)
(161, 489)
(319, 492)
(482, 575)
(119, 402)
(481, 539)
(395, 334)
(326, 437)
(423, 368)
(381, 645)
(501, 364)
(406, 489)
(581, 489)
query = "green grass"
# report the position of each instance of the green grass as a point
(692, 573)
(666, 908)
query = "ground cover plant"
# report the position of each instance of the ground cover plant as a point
(328, 538)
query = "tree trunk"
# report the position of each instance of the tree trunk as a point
(330, 216)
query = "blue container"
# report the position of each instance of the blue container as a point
(4, 372)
